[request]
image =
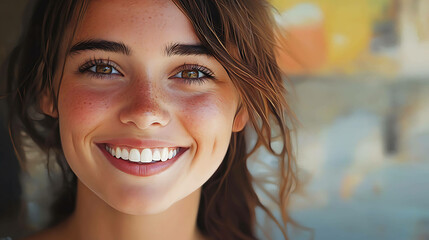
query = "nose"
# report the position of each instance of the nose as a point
(144, 107)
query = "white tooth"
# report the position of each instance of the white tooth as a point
(164, 154)
(146, 155)
(134, 155)
(112, 151)
(124, 154)
(107, 148)
(118, 152)
(156, 155)
(170, 154)
(174, 152)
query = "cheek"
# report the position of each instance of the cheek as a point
(208, 119)
(81, 111)
(200, 108)
(82, 106)
(207, 110)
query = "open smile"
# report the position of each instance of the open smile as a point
(145, 155)
(141, 162)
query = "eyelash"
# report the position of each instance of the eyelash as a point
(208, 74)
(85, 68)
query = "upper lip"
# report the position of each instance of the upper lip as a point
(138, 143)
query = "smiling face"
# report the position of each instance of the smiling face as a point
(138, 81)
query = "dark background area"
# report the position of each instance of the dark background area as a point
(11, 20)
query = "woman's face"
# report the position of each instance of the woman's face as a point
(138, 79)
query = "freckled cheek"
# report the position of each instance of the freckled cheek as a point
(82, 106)
(206, 112)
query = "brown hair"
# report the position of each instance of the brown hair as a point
(241, 35)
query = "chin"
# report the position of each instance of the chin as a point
(138, 205)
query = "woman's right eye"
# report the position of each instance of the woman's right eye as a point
(103, 69)
(100, 68)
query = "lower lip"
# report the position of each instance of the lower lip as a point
(140, 169)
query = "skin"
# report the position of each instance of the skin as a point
(146, 100)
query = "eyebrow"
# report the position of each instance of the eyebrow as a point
(119, 47)
(95, 44)
(186, 49)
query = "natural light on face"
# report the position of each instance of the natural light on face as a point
(129, 85)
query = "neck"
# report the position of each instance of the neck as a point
(95, 219)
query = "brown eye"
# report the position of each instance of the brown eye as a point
(192, 73)
(104, 69)
(189, 74)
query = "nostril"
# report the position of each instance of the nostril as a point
(143, 117)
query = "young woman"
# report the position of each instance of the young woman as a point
(144, 105)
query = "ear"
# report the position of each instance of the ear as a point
(47, 104)
(240, 119)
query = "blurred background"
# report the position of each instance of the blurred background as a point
(360, 69)
(360, 74)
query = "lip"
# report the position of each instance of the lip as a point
(138, 143)
(139, 169)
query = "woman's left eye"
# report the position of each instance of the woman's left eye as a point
(190, 74)
(193, 74)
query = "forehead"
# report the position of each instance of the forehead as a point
(140, 22)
